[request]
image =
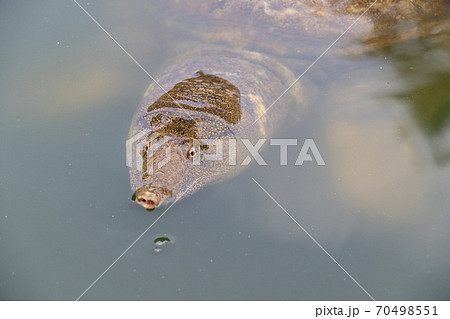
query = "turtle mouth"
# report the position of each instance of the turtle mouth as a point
(149, 197)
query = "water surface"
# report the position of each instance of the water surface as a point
(380, 205)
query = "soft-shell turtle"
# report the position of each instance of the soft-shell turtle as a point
(193, 127)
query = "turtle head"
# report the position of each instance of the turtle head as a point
(174, 167)
(166, 162)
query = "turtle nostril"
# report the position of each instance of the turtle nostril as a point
(146, 202)
(147, 199)
(149, 204)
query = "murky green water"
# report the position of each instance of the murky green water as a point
(380, 206)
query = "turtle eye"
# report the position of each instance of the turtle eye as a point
(192, 152)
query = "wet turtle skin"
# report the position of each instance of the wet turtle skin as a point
(214, 94)
(211, 95)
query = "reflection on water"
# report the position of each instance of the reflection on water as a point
(378, 170)
(383, 134)
(423, 65)
(380, 206)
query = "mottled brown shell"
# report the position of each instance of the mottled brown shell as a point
(204, 93)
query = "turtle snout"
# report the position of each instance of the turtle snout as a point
(148, 200)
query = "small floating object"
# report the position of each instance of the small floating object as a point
(160, 242)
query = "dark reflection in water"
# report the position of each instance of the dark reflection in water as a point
(423, 65)
(388, 118)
